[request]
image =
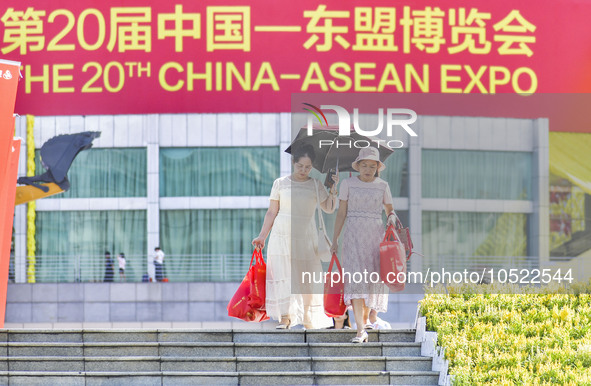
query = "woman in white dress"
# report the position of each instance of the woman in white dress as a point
(293, 245)
(362, 199)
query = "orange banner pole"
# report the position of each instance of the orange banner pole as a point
(9, 153)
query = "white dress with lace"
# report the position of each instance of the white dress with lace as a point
(364, 231)
(291, 250)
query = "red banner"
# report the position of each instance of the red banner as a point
(9, 152)
(100, 57)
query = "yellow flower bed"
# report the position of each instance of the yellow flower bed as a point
(493, 335)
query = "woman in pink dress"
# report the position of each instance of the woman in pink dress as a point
(362, 199)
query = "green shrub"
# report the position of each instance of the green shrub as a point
(509, 335)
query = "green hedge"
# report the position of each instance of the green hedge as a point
(526, 339)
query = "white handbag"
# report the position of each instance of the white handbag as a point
(324, 242)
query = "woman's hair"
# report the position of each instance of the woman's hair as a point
(303, 151)
(122, 255)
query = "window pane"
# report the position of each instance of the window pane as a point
(449, 236)
(476, 174)
(218, 171)
(396, 173)
(570, 219)
(71, 244)
(208, 245)
(105, 173)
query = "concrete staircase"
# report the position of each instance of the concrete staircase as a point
(191, 357)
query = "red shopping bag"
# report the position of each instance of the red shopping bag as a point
(334, 291)
(258, 281)
(249, 300)
(393, 260)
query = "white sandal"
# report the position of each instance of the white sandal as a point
(284, 325)
(360, 339)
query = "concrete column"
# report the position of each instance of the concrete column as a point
(415, 197)
(285, 133)
(20, 212)
(539, 231)
(151, 125)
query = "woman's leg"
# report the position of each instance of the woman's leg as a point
(358, 310)
(373, 316)
(365, 314)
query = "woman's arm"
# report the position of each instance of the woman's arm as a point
(259, 241)
(338, 225)
(389, 208)
(330, 204)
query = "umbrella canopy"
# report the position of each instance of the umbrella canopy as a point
(331, 150)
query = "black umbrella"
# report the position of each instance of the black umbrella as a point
(57, 155)
(332, 150)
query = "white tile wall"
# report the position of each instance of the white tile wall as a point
(194, 130)
(485, 134)
(171, 203)
(428, 125)
(44, 131)
(91, 123)
(239, 131)
(179, 130)
(458, 133)
(254, 124)
(165, 130)
(514, 140)
(77, 124)
(132, 203)
(62, 125)
(153, 218)
(224, 130)
(499, 138)
(136, 127)
(443, 132)
(270, 130)
(209, 130)
(471, 133)
(120, 131)
(152, 131)
(106, 128)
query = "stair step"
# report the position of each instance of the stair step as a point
(191, 357)
(237, 336)
(211, 349)
(227, 378)
(215, 364)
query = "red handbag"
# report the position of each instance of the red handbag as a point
(334, 291)
(404, 236)
(248, 303)
(392, 260)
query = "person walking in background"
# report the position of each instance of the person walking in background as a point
(122, 263)
(362, 199)
(109, 269)
(293, 243)
(158, 262)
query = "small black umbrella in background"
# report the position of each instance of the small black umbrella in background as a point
(57, 155)
(331, 150)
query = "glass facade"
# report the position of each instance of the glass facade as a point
(206, 242)
(105, 173)
(71, 244)
(209, 244)
(465, 238)
(465, 174)
(218, 171)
